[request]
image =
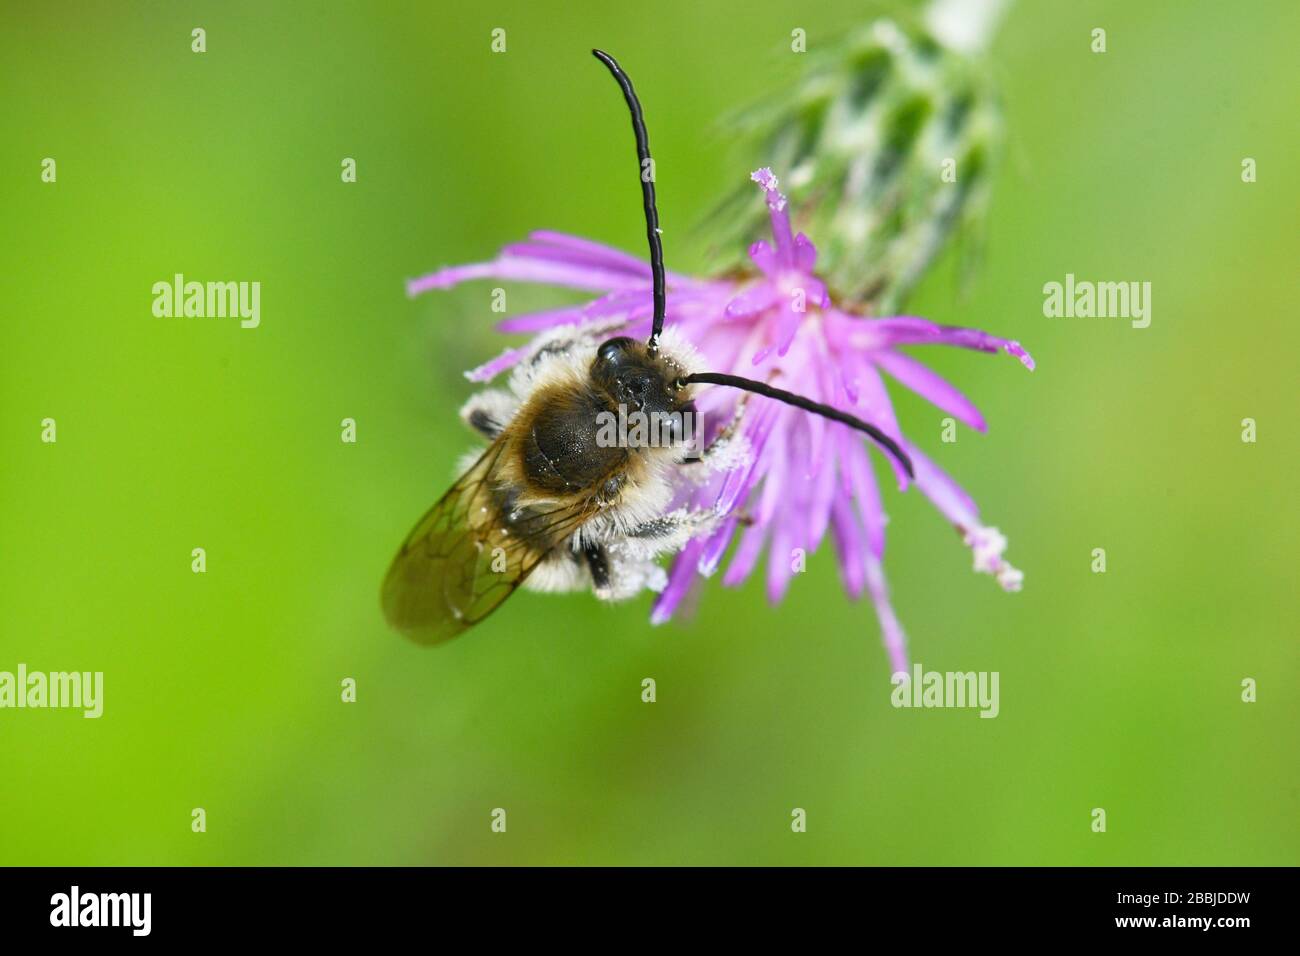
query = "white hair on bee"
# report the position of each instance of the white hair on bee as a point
(490, 410)
(563, 358)
(629, 577)
(559, 574)
(676, 348)
(724, 454)
(559, 356)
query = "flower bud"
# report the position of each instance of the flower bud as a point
(885, 145)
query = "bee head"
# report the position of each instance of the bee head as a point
(640, 379)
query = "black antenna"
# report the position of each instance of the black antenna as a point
(647, 192)
(807, 404)
(657, 269)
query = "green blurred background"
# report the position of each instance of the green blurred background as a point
(222, 691)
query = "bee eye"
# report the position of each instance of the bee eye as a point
(615, 350)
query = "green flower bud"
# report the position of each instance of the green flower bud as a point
(885, 145)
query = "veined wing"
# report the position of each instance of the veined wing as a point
(464, 557)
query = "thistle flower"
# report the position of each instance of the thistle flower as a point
(774, 475)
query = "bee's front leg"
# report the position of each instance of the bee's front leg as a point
(671, 531)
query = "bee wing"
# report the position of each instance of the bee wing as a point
(458, 564)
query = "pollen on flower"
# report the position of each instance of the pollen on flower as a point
(1011, 578)
(987, 545)
(725, 454)
(767, 179)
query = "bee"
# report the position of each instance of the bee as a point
(553, 502)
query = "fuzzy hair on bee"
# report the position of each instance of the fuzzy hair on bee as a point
(550, 505)
(614, 552)
(559, 501)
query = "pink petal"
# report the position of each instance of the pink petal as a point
(930, 385)
(738, 482)
(848, 542)
(538, 321)
(745, 555)
(891, 632)
(879, 411)
(596, 253)
(763, 256)
(946, 495)
(805, 254)
(491, 369)
(757, 298)
(576, 275)
(866, 493)
(716, 546)
(780, 559)
(823, 495)
(878, 334)
(680, 579)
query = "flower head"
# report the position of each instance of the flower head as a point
(778, 478)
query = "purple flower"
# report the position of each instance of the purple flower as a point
(778, 477)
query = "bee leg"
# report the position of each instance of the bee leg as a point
(721, 440)
(674, 523)
(489, 412)
(670, 532)
(654, 528)
(598, 564)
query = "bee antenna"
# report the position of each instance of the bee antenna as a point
(807, 404)
(645, 167)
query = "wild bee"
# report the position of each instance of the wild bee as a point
(553, 502)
